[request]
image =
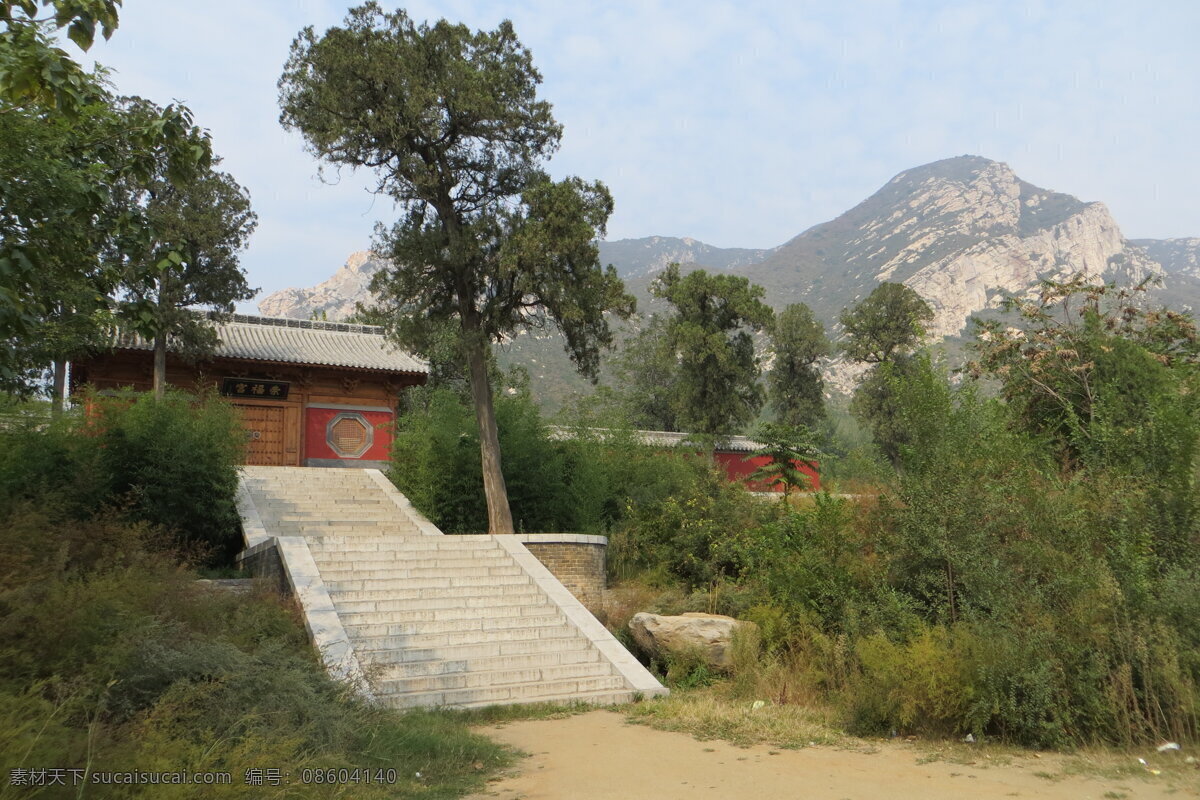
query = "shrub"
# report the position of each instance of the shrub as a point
(116, 659)
(175, 460)
(923, 685)
(436, 458)
(169, 463)
(692, 527)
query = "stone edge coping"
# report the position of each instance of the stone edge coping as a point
(636, 676)
(320, 615)
(405, 505)
(254, 532)
(561, 538)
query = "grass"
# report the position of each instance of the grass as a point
(711, 713)
(494, 715)
(148, 671)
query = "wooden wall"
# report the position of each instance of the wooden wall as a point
(279, 422)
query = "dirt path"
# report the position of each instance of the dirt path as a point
(598, 756)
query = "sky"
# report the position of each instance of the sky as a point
(738, 124)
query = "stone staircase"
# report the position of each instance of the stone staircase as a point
(422, 618)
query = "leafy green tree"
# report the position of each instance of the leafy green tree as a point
(646, 373)
(890, 321)
(1113, 386)
(450, 122)
(33, 71)
(710, 335)
(882, 331)
(50, 272)
(1089, 362)
(795, 384)
(788, 447)
(65, 143)
(877, 402)
(199, 225)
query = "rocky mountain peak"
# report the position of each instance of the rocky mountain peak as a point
(962, 232)
(335, 299)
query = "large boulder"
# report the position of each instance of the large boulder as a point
(708, 636)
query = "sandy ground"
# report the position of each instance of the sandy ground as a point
(598, 756)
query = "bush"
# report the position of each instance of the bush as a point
(114, 658)
(175, 460)
(169, 463)
(437, 464)
(689, 519)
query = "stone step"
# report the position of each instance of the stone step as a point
(284, 493)
(345, 512)
(383, 583)
(496, 582)
(310, 530)
(418, 567)
(334, 518)
(338, 520)
(377, 644)
(292, 494)
(476, 679)
(435, 600)
(382, 589)
(372, 552)
(404, 565)
(268, 507)
(333, 494)
(399, 601)
(518, 647)
(551, 691)
(452, 610)
(598, 699)
(406, 599)
(423, 542)
(417, 669)
(549, 617)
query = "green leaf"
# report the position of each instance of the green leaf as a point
(82, 32)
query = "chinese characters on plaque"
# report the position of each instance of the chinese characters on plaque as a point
(248, 387)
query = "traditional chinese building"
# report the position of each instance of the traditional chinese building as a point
(310, 393)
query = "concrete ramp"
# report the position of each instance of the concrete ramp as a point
(417, 618)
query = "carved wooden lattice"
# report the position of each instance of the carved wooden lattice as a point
(348, 436)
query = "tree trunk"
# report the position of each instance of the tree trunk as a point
(499, 515)
(160, 364)
(60, 388)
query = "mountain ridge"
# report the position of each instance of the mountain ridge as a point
(963, 232)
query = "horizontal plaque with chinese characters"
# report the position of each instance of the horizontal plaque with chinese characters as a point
(247, 387)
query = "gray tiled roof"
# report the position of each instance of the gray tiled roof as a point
(725, 444)
(296, 341)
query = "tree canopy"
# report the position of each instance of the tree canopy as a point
(795, 384)
(890, 321)
(787, 447)
(882, 331)
(450, 123)
(199, 225)
(66, 142)
(1106, 378)
(710, 335)
(646, 376)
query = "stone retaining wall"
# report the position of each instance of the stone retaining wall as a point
(576, 559)
(262, 561)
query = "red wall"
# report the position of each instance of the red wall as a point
(317, 419)
(739, 468)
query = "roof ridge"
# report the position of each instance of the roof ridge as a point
(312, 324)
